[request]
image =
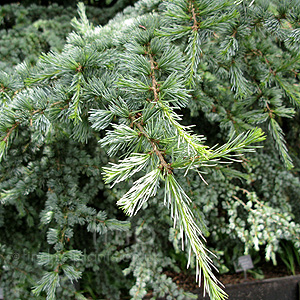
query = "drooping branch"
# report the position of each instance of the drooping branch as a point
(155, 89)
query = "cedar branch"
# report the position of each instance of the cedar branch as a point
(195, 26)
(163, 163)
(155, 90)
(154, 87)
(9, 132)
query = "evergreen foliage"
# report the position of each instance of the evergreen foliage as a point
(28, 30)
(107, 123)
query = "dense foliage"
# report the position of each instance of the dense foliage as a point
(27, 31)
(106, 123)
(66, 3)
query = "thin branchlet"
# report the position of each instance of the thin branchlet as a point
(9, 132)
(195, 26)
(163, 164)
(154, 87)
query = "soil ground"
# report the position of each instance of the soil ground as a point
(264, 271)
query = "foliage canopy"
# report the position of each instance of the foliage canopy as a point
(109, 119)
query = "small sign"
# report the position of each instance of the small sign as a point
(244, 263)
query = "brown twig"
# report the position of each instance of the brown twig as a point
(270, 111)
(11, 264)
(10, 131)
(154, 87)
(163, 163)
(195, 26)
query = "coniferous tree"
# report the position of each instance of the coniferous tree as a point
(126, 85)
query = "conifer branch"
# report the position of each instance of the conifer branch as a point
(12, 265)
(164, 165)
(135, 79)
(154, 87)
(9, 132)
(195, 26)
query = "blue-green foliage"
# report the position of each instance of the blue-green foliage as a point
(27, 31)
(115, 106)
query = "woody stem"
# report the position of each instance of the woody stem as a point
(163, 162)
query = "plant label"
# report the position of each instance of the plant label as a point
(244, 263)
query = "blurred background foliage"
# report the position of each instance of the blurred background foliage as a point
(95, 3)
(28, 28)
